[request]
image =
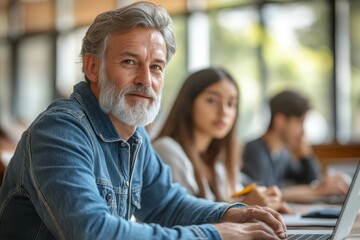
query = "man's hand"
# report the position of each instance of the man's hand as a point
(252, 223)
(301, 149)
(333, 184)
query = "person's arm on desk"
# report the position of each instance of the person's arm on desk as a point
(263, 196)
(330, 185)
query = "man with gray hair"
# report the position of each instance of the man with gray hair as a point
(86, 166)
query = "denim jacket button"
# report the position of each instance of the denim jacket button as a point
(108, 197)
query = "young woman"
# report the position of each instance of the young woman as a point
(199, 141)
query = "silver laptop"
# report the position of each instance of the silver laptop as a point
(344, 223)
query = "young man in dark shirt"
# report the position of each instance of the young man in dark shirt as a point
(282, 154)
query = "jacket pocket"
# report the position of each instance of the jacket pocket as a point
(135, 200)
(108, 194)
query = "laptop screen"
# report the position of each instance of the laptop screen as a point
(349, 209)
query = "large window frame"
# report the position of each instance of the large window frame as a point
(345, 99)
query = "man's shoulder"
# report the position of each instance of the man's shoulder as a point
(59, 111)
(255, 149)
(65, 105)
(255, 143)
(63, 108)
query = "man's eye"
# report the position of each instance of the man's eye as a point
(128, 61)
(157, 67)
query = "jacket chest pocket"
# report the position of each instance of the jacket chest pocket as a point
(125, 204)
(135, 199)
(108, 195)
(117, 200)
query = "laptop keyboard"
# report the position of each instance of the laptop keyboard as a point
(309, 237)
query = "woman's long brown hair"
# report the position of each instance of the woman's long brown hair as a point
(179, 126)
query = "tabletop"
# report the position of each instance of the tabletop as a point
(302, 208)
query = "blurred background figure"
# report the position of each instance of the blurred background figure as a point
(7, 147)
(283, 157)
(199, 141)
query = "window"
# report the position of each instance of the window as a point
(298, 55)
(5, 86)
(280, 46)
(69, 63)
(34, 87)
(266, 45)
(176, 71)
(355, 70)
(234, 45)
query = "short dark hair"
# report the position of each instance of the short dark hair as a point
(289, 103)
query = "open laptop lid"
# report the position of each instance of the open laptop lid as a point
(349, 209)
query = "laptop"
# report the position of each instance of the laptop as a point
(344, 223)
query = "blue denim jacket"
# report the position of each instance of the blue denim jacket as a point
(73, 177)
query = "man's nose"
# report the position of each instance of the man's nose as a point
(144, 77)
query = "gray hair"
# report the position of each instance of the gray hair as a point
(124, 19)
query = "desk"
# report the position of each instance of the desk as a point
(301, 208)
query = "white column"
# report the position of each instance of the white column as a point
(198, 36)
(343, 72)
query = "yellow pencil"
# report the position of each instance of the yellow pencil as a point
(245, 190)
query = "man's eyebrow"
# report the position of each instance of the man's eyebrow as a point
(129, 54)
(135, 55)
(160, 61)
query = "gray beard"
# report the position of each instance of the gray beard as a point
(113, 101)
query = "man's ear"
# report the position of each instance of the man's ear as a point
(91, 67)
(279, 120)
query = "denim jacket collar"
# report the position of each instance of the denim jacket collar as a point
(99, 120)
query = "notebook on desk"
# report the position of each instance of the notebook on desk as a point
(344, 223)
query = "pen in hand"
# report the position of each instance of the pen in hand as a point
(245, 190)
